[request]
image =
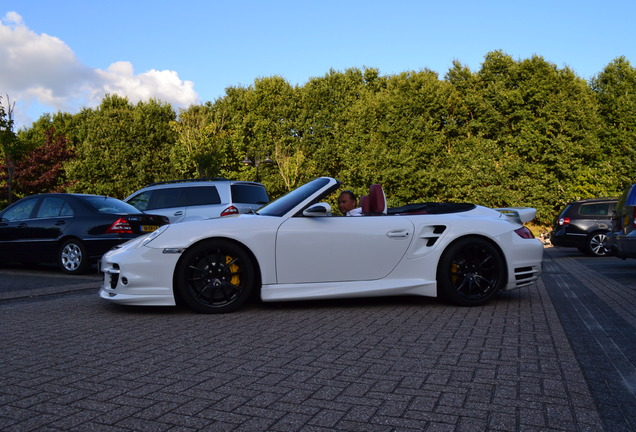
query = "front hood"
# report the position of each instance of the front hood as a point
(240, 228)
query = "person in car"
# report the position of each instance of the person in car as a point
(348, 204)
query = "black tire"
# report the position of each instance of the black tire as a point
(72, 257)
(470, 272)
(215, 276)
(596, 244)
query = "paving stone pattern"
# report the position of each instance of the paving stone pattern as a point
(599, 317)
(75, 363)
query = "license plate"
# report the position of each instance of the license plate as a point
(149, 228)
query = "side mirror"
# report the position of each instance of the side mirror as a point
(318, 210)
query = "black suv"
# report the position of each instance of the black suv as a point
(622, 239)
(584, 224)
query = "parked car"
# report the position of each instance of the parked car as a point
(294, 249)
(584, 225)
(192, 199)
(73, 230)
(622, 239)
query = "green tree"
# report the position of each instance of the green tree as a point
(201, 148)
(615, 88)
(326, 104)
(262, 123)
(392, 134)
(37, 134)
(9, 146)
(536, 123)
(121, 147)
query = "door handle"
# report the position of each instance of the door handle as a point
(178, 213)
(398, 234)
(60, 222)
(22, 225)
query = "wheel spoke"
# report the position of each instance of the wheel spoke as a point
(473, 272)
(215, 277)
(212, 280)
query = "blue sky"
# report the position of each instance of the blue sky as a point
(66, 55)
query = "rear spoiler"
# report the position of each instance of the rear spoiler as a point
(519, 214)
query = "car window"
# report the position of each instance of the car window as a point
(203, 195)
(19, 211)
(53, 207)
(596, 209)
(565, 210)
(166, 198)
(249, 194)
(141, 200)
(66, 210)
(109, 205)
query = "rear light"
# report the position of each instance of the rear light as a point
(634, 219)
(120, 226)
(564, 221)
(525, 233)
(231, 210)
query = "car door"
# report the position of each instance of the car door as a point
(203, 202)
(52, 218)
(334, 249)
(15, 232)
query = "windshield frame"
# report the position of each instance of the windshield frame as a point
(301, 197)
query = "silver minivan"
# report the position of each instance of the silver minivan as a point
(203, 198)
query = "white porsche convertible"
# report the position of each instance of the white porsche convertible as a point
(295, 249)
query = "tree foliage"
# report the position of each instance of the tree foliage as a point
(42, 169)
(513, 133)
(8, 147)
(120, 147)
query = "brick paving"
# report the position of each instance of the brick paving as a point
(73, 362)
(599, 317)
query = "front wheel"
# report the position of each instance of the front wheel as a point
(596, 244)
(470, 272)
(72, 257)
(214, 277)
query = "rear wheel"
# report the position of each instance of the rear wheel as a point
(470, 272)
(216, 276)
(72, 257)
(596, 244)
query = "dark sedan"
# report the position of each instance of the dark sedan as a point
(73, 230)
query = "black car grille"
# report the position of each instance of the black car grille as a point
(114, 276)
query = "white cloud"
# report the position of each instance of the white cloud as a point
(164, 85)
(38, 69)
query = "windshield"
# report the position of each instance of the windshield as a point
(105, 204)
(287, 202)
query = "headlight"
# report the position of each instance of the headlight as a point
(153, 235)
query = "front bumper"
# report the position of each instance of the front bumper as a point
(138, 276)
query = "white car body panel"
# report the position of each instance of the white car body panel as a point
(301, 258)
(340, 249)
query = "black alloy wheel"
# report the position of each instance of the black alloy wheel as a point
(215, 276)
(470, 272)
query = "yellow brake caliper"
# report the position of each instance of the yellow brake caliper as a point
(454, 273)
(234, 268)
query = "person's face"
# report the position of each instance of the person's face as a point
(345, 203)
